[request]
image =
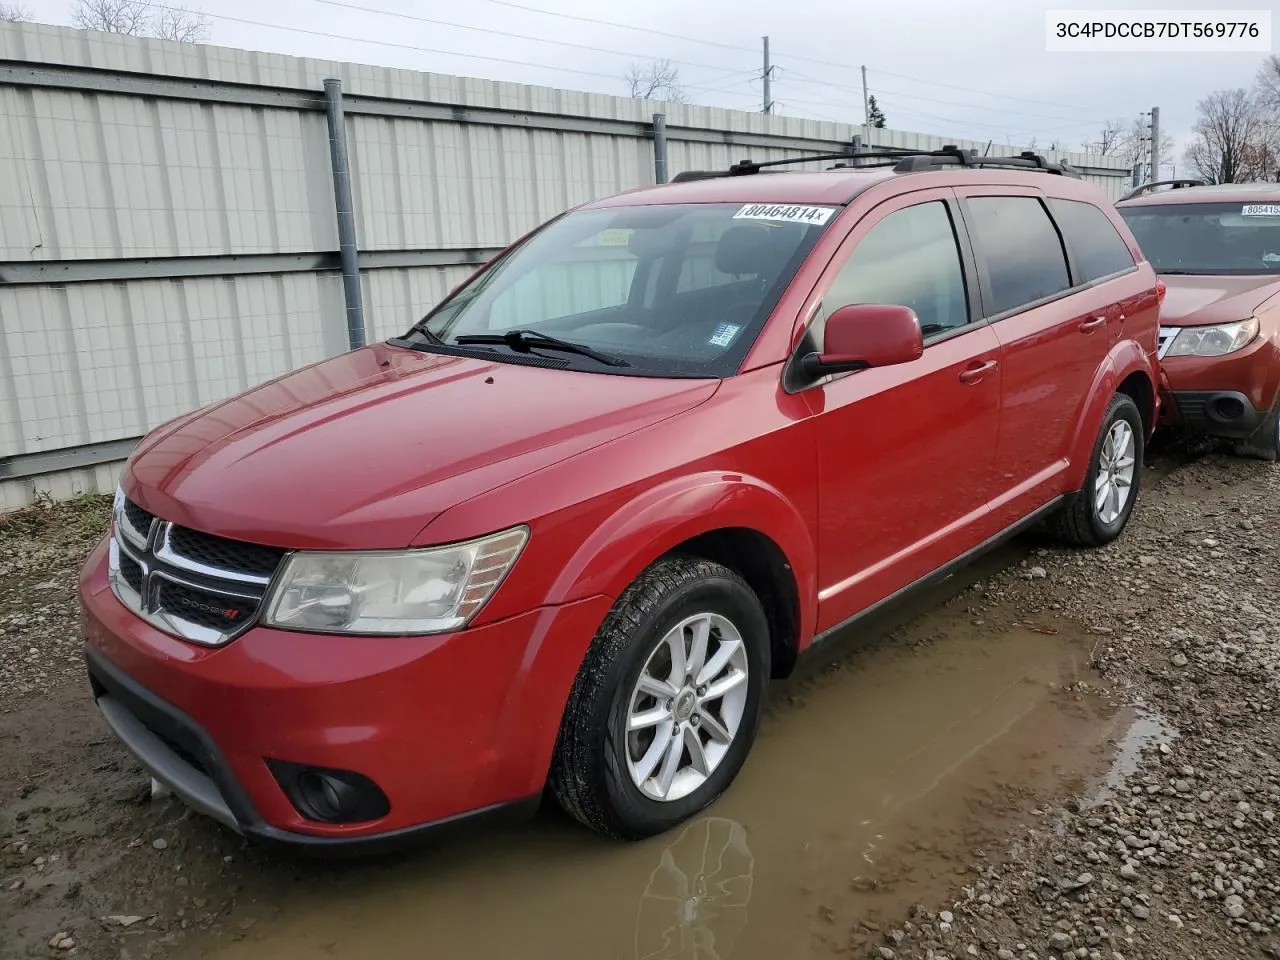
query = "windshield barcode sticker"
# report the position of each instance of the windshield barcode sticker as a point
(724, 334)
(1261, 210)
(785, 213)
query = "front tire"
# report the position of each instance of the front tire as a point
(1100, 511)
(667, 702)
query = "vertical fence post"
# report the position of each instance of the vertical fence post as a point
(346, 212)
(659, 148)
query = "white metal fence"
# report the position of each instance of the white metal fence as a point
(167, 217)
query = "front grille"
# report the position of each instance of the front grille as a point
(233, 555)
(131, 570)
(1167, 335)
(138, 518)
(194, 585)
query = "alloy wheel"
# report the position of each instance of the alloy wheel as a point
(1116, 465)
(686, 707)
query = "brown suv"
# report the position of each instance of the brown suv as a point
(1217, 248)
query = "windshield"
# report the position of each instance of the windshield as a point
(1208, 238)
(676, 290)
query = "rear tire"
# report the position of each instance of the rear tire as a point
(1099, 512)
(1264, 444)
(619, 719)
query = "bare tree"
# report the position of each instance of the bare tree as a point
(1110, 139)
(1268, 86)
(142, 18)
(1232, 139)
(181, 24)
(113, 16)
(658, 81)
(13, 12)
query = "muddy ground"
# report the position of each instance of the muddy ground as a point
(1058, 754)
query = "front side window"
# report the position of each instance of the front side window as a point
(911, 259)
(1024, 256)
(676, 290)
(1208, 238)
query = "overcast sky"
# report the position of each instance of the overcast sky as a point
(962, 68)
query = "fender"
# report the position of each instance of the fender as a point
(664, 516)
(1125, 358)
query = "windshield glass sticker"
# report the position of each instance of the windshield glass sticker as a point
(724, 334)
(785, 213)
(614, 238)
(1261, 210)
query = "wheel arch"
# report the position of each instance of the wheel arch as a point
(736, 520)
(1128, 370)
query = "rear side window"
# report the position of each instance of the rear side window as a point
(1096, 244)
(909, 259)
(1023, 252)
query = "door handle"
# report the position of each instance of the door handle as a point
(975, 374)
(1091, 325)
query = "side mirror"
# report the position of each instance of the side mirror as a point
(866, 335)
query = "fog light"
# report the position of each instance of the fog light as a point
(330, 796)
(1229, 408)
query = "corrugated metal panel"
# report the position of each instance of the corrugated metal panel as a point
(60, 485)
(396, 299)
(99, 361)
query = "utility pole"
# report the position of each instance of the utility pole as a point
(768, 78)
(1143, 154)
(866, 109)
(1155, 143)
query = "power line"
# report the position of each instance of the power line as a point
(503, 33)
(711, 43)
(620, 26)
(392, 44)
(985, 93)
(803, 78)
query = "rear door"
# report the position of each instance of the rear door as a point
(905, 453)
(1056, 321)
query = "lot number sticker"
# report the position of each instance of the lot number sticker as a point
(785, 213)
(724, 334)
(1261, 210)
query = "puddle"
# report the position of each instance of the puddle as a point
(1145, 730)
(872, 774)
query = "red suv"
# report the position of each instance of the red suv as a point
(563, 531)
(1218, 248)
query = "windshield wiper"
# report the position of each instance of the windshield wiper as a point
(525, 339)
(421, 327)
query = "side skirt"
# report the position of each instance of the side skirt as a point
(947, 570)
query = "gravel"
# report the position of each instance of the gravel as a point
(41, 551)
(1183, 857)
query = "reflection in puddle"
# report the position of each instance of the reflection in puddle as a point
(868, 784)
(1148, 729)
(696, 903)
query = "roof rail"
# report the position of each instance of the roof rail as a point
(1174, 184)
(902, 159)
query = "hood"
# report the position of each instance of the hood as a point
(1197, 301)
(364, 449)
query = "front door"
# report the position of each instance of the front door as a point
(905, 453)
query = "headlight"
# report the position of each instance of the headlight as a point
(392, 592)
(1214, 341)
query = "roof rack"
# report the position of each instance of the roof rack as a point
(1174, 184)
(902, 159)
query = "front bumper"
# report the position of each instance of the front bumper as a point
(1225, 396)
(449, 728)
(1218, 413)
